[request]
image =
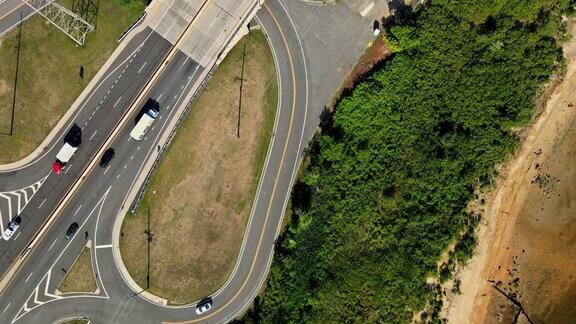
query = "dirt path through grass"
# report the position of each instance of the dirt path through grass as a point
(200, 198)
(48, 76)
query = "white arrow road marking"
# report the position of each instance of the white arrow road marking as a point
(9, 207)
(34, 295)
(10, 195)
(19, 203)
(25, 196)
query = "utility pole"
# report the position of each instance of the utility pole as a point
(241, 84)
(16, 77)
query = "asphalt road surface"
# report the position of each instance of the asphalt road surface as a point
(31, 298)
(32, 191)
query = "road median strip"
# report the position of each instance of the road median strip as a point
(7, 278)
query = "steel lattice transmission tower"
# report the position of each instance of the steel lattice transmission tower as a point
(71, 23)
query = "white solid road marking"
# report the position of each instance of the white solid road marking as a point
(186, 60)
(51, 245)
(143, 65)
(19, 203)
(104, 246)
(25, 309)
(117, 101)
(25, 281)
(91, 137)
(367, 9)
(43, 201)
(9, 206)
(5, 309)
(77, 210)
(25, 196)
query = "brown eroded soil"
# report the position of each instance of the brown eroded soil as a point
(527, 238)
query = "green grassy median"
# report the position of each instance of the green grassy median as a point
(80, 278)
(48, 74)
(197, 204)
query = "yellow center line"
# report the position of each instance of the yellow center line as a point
(277, 177)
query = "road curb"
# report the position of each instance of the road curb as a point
(15, 266)
(66, 118)
(163, 141)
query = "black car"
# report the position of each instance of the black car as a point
(106, 157)
(71, 230)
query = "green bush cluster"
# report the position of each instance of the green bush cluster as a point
(395, 166)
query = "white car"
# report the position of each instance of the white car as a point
(203, 306)
(10, 229)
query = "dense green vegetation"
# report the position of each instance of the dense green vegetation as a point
(389, 178)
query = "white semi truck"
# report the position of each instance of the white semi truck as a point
(63, 157)
(143, 124)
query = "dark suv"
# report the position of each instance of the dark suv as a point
(106, 157)
(72, 229)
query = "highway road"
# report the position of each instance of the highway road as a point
(30, 295)
(32, 191)
(101, 202)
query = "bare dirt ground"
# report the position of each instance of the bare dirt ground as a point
(526, 250)
(376, 54)
(200, 198)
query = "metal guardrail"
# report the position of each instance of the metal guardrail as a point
(154, 168)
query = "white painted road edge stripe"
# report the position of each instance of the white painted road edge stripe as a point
(104, 246)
